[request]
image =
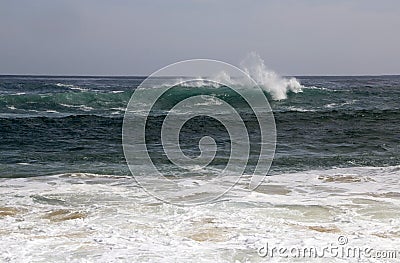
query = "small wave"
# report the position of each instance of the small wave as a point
(11, 107)
(64, 85)
(335, 105)
(317, 88)
(79, 88)
(331, 105)
(24, 163)
(119, 109)
(310, 88)
(299, 109)
(209, 101)
(70, 86)
(8, 93)
(81, 107)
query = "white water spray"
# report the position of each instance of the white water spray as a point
(270, 81)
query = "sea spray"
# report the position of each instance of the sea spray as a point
(269, 80)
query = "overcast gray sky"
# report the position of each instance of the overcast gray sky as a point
(137, 37)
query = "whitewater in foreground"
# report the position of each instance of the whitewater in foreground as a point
(95, 218)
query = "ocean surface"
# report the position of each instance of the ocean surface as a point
(68, 195)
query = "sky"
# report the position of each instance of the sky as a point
(138, 37)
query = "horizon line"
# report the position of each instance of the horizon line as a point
(145, 76)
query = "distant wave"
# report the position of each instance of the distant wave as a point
(64, 102)
(276, 86)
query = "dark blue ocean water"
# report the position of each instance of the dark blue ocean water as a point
(54, 125)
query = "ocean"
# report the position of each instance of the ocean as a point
(68, 194)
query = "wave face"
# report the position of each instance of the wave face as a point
(54, 125)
